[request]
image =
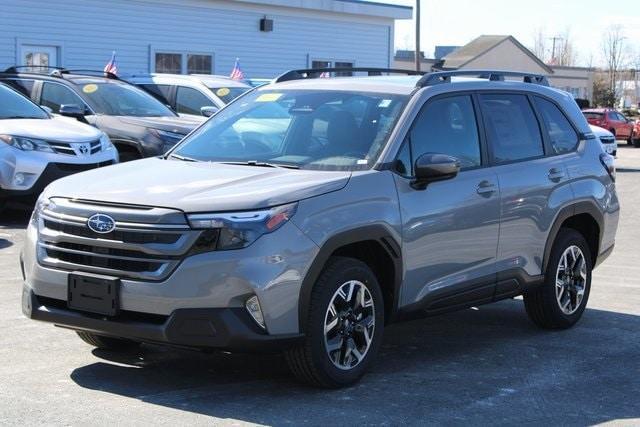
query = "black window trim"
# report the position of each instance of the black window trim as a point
(484, 152)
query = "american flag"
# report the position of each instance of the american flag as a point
(236, 73)
(111, 66)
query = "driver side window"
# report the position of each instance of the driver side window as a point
(54, 95)
(447, 126)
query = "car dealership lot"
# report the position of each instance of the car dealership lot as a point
(489, 365)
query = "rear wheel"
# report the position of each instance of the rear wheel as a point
(343, 328)
(561, 300)
(107, 343)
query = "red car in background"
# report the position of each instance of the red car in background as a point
(613, 121)
(636, 134)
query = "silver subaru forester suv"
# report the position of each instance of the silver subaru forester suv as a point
(309, 214)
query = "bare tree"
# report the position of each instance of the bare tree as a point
(566, 53)
(614, 50)
(539, 48)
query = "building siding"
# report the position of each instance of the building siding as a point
(87, 31)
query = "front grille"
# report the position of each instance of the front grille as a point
(73, 149)
(140, 248)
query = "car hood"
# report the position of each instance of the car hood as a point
(196, 186)
(61, 129)
(182, 124)
(600, 132)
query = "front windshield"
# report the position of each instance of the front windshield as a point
(116, 99)
(16, 106)
(228, 94)
(328, 130)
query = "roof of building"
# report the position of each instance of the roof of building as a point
(356, 7)
(481, 45)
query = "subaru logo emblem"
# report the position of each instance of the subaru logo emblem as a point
(101, 223)
(84, 149)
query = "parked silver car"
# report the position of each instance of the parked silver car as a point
(382, 199)
(36, 148)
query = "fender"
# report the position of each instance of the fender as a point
(586, 207)
(377, 232)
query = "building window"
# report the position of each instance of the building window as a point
(199, 64)
(344, 65)
(170, 63)
(183, 63)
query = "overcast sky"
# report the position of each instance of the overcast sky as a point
(456, 22)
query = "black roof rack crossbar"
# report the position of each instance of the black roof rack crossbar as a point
(315, 72)
(57, 71)
(438, 77)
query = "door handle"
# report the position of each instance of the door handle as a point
(555, 174)
(486, 188)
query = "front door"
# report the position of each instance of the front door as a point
(450, 228)
(39, 56)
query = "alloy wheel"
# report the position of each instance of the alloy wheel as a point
(349, 325)
(571, 280)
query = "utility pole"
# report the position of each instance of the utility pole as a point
(417, 55)
(553, 48)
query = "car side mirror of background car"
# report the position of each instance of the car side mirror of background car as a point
(431, 167)
(208, 111)
(72, 110)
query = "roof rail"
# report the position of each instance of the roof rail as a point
(97, 73)
(315, 72)
(39, 69)
(438, 77)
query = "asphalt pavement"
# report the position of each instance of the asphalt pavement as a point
(481, 366)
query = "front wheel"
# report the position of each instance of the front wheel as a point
(561, 300)
(343, 328)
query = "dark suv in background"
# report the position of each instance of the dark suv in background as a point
(137, 123)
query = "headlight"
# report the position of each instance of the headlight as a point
(239, 230)
(26, 144)
(105, 143)
(40, 205)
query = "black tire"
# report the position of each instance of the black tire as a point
(636, 143)
(541, 305)
(309, 361)
(107, 343)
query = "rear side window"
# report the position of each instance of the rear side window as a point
(563, 137)
(512, 127)
(448, 126)
(612, 116)
(24, 86)
(54, 95)
(190, 101)
(160, 92)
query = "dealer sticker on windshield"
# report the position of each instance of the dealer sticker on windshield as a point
(268, 97)
(90, 88)
(223, 91)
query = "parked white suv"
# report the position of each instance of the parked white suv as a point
(199, 94)
(37, 148)
(607, 140)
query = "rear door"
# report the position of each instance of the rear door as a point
(531, 178)
(450, 228)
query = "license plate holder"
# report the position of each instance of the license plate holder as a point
(94, 293)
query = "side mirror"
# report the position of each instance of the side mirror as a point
(72, 110)
(431, 167)
(208, 111)
(47, 109)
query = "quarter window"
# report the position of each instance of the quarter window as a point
(512, 127)
(54, 95)
(24, 86)
(447, 126)
(189, 101)
(561, 134)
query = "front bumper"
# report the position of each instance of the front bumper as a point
(204, 328)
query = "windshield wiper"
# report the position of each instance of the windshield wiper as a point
(262, 164)
(183, 158)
